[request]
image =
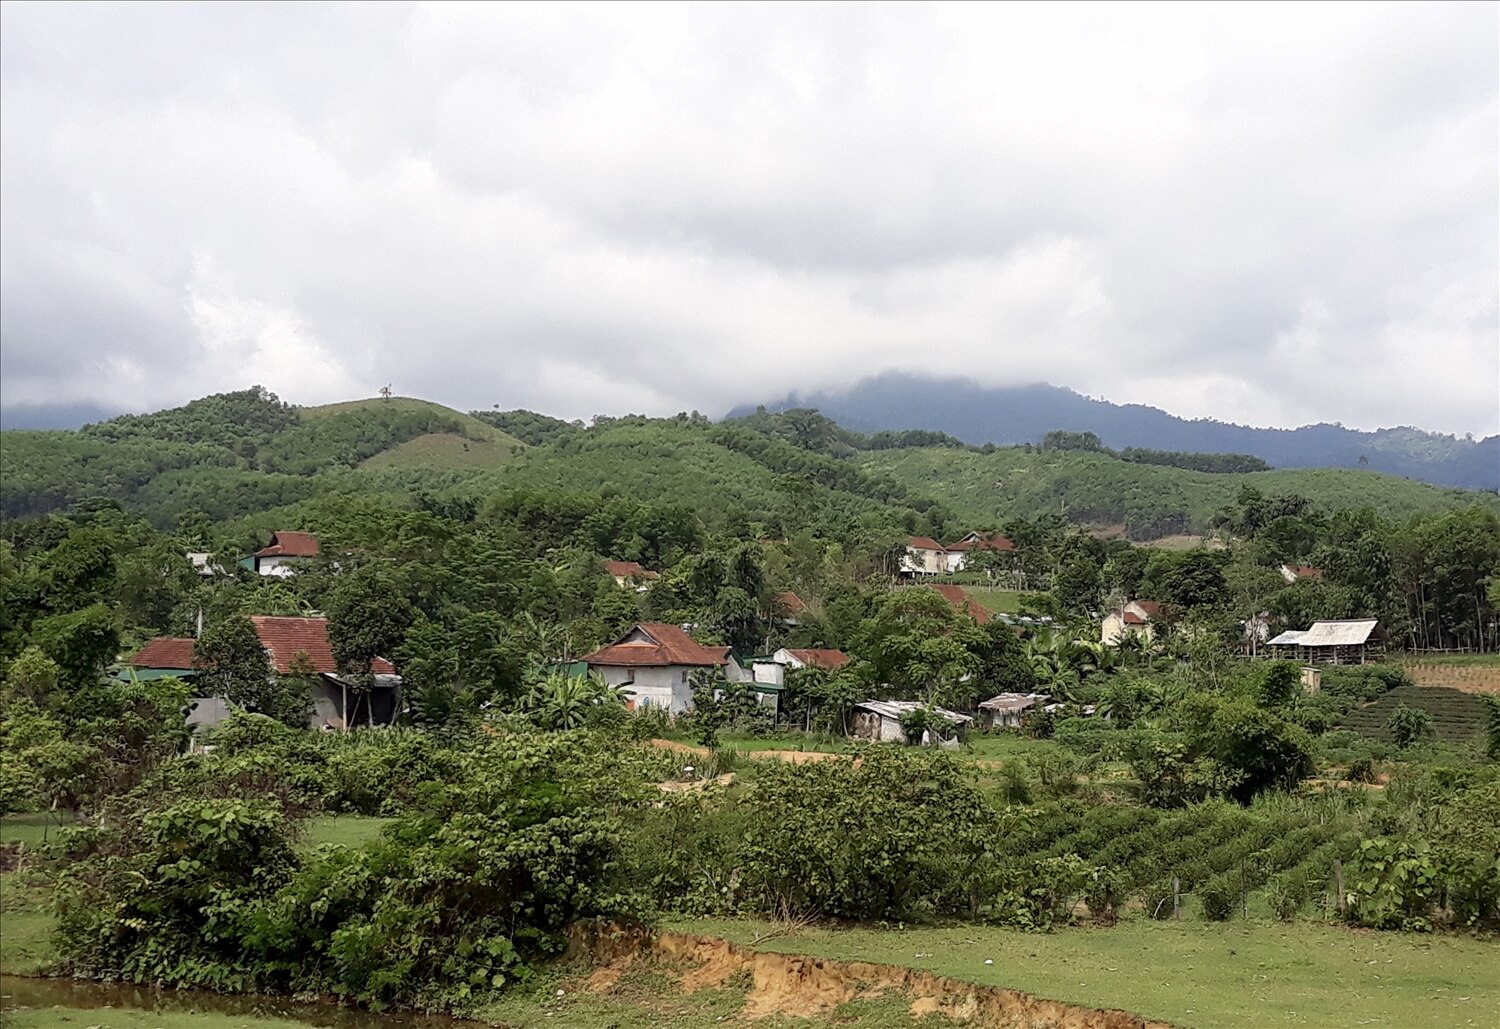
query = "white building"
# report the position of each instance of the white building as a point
(924, 556)
(287, 554)
(654, 662)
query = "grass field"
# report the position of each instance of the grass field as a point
(349, 830)
(31, 829)
(999, 601)
(1245, 976)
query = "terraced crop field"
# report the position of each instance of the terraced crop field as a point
(1478, 676)
(1456, 716)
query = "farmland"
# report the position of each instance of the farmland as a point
(1457, 716)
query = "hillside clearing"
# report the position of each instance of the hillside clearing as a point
(445, 451)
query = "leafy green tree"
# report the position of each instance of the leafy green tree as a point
(33, 676)
(81, 643)
(368, 617)
(918, 645)
(231, 663)
(1408, 725)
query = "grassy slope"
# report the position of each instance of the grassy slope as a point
(1033, 483)
(1202, 975)
(476, 447)
(663, 463)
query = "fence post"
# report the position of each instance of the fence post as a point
(1176, 898)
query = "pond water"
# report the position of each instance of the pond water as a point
(22, 992)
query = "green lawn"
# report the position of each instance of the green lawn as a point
(348, 830)
(1000, 601)
(32, 829)
(25, 924)
(996, 746)
(1245, 976)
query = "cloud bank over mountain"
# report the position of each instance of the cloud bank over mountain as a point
(1269, 216)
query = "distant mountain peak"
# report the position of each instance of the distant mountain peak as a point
(1010, 415)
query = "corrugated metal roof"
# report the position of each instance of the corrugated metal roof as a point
(897, 708)
(1290, 638)
(1347, 633)
(1012, 701)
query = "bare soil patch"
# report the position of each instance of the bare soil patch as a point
(810, 987)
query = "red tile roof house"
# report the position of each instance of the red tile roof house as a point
(1134, 617)
(959, 552)
(287, 553)
(653, 662)
(788, 607)
(290, 643)
(772, 671)
(924, 556)
(630, 573)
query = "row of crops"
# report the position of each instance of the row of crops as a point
(1215, 851)
(1456, 716)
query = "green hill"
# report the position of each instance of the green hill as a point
(238, 454)
(234, 453)
(1151, 501)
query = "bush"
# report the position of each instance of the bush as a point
(1218, 896)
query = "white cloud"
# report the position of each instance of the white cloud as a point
(1273, 215)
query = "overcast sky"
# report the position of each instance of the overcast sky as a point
(1267, 214)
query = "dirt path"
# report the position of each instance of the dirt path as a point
(795, 757)
(810, 987)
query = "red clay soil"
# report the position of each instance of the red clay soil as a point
(807, 987)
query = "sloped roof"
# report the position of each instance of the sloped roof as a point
(290, 544)
(959, 598)
(1290, 638)
(924, 543)
(1294, 572)
(826, 658)
(1345, 633)
(1012, 701)
(165, 652)
(789, 603)
(974, 541)
(283, 639)
(897, 708)
(655, 645)
(628, 570)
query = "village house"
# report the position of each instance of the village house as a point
(630, 574)
(286, 554)
(654, 661)
(960, 551)
(1005, 710)
(924, 556)
(962, 601)
(293, 646)
(880, 720)
(772, 671)
(788, 607)
(1134, 616)
(1333, 642)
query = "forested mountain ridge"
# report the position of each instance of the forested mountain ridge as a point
(247, 455)
(1024, 414)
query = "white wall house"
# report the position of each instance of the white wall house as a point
(959, 551)
(924, 556)
(654, 662)
(1133, 617)
(287, 554)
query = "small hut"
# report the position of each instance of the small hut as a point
(880, 720)
(1005, 710)
(1348, 641)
